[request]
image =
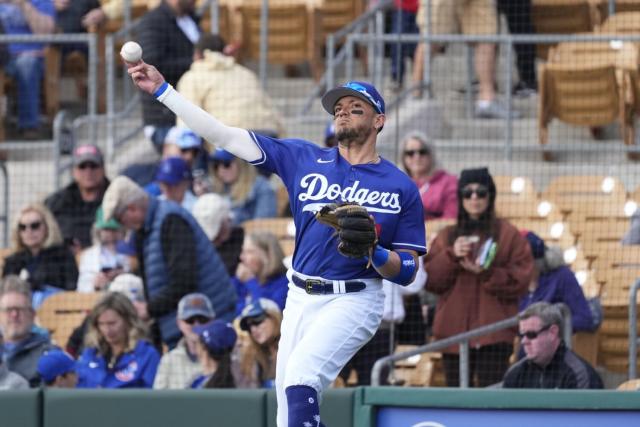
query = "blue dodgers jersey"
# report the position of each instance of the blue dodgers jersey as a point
(315, 176)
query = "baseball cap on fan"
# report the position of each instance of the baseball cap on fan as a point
(363, 90)
(87, 153)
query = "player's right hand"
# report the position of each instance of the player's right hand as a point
(145, 76)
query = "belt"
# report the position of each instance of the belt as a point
(325, 287)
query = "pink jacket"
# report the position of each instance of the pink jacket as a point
(439, 195)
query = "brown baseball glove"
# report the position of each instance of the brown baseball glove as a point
(354, 227)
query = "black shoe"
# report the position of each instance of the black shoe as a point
(524, 90)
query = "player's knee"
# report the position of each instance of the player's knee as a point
(303, 407)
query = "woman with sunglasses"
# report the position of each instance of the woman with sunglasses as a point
(250, 193)
(257, 361)
(438, 189)
(117, 353)
(261, 273)
(39, 256)
(480, 267)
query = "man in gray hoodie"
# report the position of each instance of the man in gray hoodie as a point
(9, 380)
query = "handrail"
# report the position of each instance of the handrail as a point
(5, 216)
(464, 337)
(633, 329)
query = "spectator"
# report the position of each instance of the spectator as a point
(438, 189)
(473, 17)
(167, 35)
(117, 353)
(39, 256)
(403, 21)
(518, 14)
(175, 255)
(554, 282)
(9, 380)
(251, 193)
(227, 90)
(214, 346)
(261, 273)
(632, 237)
(127, 284)
(57, 369)
(212, 212)
(179, 367)
(74, 207)
(174, 179)
(103, 261)
(549, 363)
(26, 63)
(22, 346)
(480, 267)
(257, 363)
(69, 19)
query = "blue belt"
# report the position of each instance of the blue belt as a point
(324, 287)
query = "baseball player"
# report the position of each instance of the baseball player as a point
(335, 300)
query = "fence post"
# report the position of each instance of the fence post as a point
(508, 134)
(633, 330)
(111, 97)
(264, 43)
(464, 364)
(426, 70)
(5, 215)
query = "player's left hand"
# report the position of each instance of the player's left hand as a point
(355, 228)
(145, 76)
(471, 266)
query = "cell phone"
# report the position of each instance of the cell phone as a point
(106, 269)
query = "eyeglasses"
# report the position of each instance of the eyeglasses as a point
(480, 191)
(18, 310)
(201, 320)
(90, 165)
(420, 152)
(255, 321)
(532, 335)
(32, 226)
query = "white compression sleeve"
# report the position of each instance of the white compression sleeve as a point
(235, 140)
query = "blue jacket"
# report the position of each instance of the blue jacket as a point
(560, 285)
(274, 289)
(135, 369)
(212, 277)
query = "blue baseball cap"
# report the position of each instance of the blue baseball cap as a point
(258, 308)
(54, 363)
(172, 170)
(184, 138)
(221, 155)
(218, 335)
(363, 90)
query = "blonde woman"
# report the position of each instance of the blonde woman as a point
(261, 273)
(117, 353)
(39, 256)
(256, 364)
(250, 193)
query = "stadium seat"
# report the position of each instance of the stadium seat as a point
(621, 7)
(583, 94)
(61, 313)
(630, 385)
(293, 35)
(621, 23)
(282, 228)
(560, 17)
(575, 192)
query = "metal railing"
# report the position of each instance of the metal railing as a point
(5, 209)
(463, 340)
(633, 330)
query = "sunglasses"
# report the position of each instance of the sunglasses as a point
(223, 163)
(532, 335)
(255, 321)
(480, 191)
(201, 320)
(90, 165)
(32, 226)
(420, 152)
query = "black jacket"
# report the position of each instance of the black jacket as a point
(566, 370)
(54, 266)
(165, 46)
(75, 216)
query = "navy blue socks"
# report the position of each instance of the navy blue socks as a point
(304, 410)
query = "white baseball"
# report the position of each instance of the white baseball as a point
(131, 52)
